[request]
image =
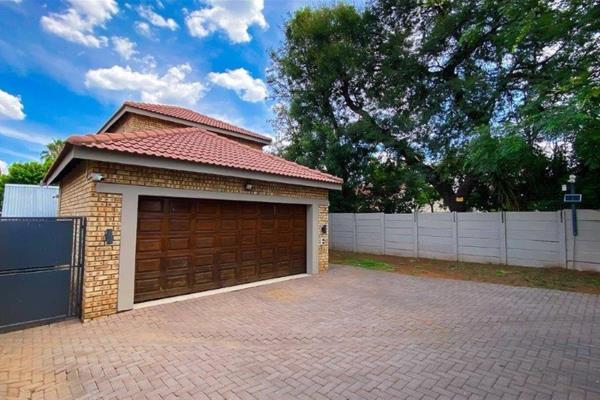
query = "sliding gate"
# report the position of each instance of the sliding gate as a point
(41, 270)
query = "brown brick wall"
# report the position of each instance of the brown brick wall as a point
(135, 122)
(103, 211)
(75, 193)
(254, 145)
(145, 176)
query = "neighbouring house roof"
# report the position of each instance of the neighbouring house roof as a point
(29, 201)
(184, 115)
(195, 145)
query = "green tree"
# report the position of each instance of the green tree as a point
(52, 151)
(439, 87)
(26, 173)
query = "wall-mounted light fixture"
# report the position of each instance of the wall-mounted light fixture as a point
(248, 186)
(108, 236)
(96, 176)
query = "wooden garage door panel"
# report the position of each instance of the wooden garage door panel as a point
(203, 260)
(175, 263)
(249, 239)
(230, 239)
(146, 245)
(191, 245)
(147, 285)
(147, 266)
(178, 225)
(179, 206)
(151, 204)
(178, 243)
(228, 224)
(150, 225)
(205, 242)
(204, 225)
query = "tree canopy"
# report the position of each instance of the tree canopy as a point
(52, 150)
(484, 104)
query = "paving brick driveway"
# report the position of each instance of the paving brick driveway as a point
(347, 334)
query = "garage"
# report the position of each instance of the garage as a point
(191, 245)
(178, 203)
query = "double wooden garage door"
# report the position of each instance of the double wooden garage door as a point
(191, 245)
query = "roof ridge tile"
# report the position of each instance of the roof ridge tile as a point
(118, 136)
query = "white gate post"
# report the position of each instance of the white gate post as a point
(455, 234)
(382, 227)
(415, 235)
(562, 239)
(354, 235)
(502, 236)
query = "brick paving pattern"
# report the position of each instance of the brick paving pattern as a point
(346, 334)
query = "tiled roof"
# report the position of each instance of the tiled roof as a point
(199, 146)
(193, 116)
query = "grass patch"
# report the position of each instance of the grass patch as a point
(549, 278)
(368, 263)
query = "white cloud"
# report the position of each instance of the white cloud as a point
(233, 120)
(143, 28)
(123, 46)
(24, 136)
(171, 87)
(239, 80)
(11, 106)
(233, 17)
(78, 22)
(155, 19)
(26, 156)
(3, 167)
(148, 63)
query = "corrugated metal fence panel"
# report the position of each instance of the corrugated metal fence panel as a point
(341, 231)
(369, 233)
(436, 236)
(584, 252)
(30, 201)
(480, 236)
(532, 238)
(399, 234)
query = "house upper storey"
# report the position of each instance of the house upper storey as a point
(172, 137)
(134, 116)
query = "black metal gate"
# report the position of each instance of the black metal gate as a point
(41, 270)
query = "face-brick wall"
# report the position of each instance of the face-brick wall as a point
(103, 211)
(135, 122)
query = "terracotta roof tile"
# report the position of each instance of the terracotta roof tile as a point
(200, 146)
(193, 116)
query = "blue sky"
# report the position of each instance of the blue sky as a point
(66, 65)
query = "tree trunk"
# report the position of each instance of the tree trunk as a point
(448, 194)
(453, 205)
